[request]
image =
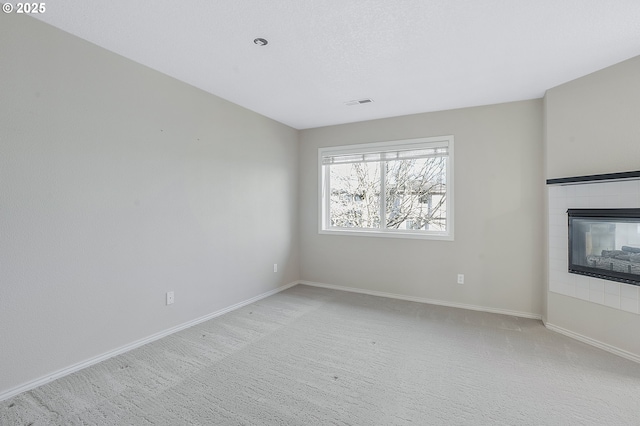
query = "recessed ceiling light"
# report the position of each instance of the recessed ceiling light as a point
(261, 41)
(359, 102)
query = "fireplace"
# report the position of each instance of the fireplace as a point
(605, 243)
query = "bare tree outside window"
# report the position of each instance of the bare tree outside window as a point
(397, 188)
(355, 195)
(416, 194)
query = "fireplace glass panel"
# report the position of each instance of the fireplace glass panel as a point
(604, 245)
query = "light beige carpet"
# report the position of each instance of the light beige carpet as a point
(310, 356)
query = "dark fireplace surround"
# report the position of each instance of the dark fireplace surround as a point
(605, 243)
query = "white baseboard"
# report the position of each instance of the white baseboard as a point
(604, 346)
(425, 300)
(593, 342)
(89, 362)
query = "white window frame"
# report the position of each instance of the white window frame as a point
(324, 226)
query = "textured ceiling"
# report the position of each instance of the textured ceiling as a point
(409, 56)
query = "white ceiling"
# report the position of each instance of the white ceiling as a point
(409, 56)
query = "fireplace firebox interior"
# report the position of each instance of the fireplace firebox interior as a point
(605, 243)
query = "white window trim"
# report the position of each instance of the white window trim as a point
(323, 183)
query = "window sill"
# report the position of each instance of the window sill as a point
(387, 234)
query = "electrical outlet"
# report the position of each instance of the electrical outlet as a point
(170, 298)
(460, 278)
(275, 267)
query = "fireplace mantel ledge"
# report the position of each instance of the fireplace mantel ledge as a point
(595, 178)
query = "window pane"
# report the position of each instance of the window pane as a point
(397, 189)
(354, 195)
(416, 194)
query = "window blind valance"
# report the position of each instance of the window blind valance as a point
(402, 154)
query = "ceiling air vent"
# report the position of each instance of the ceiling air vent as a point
(359, 102)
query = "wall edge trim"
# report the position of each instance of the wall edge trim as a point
(593, 342)
(425, 300)
(32, 384)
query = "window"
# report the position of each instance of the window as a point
(389, 189)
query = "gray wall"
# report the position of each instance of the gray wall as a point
(117, 184)
(592, 123)
(498, 213)
(593, 127)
